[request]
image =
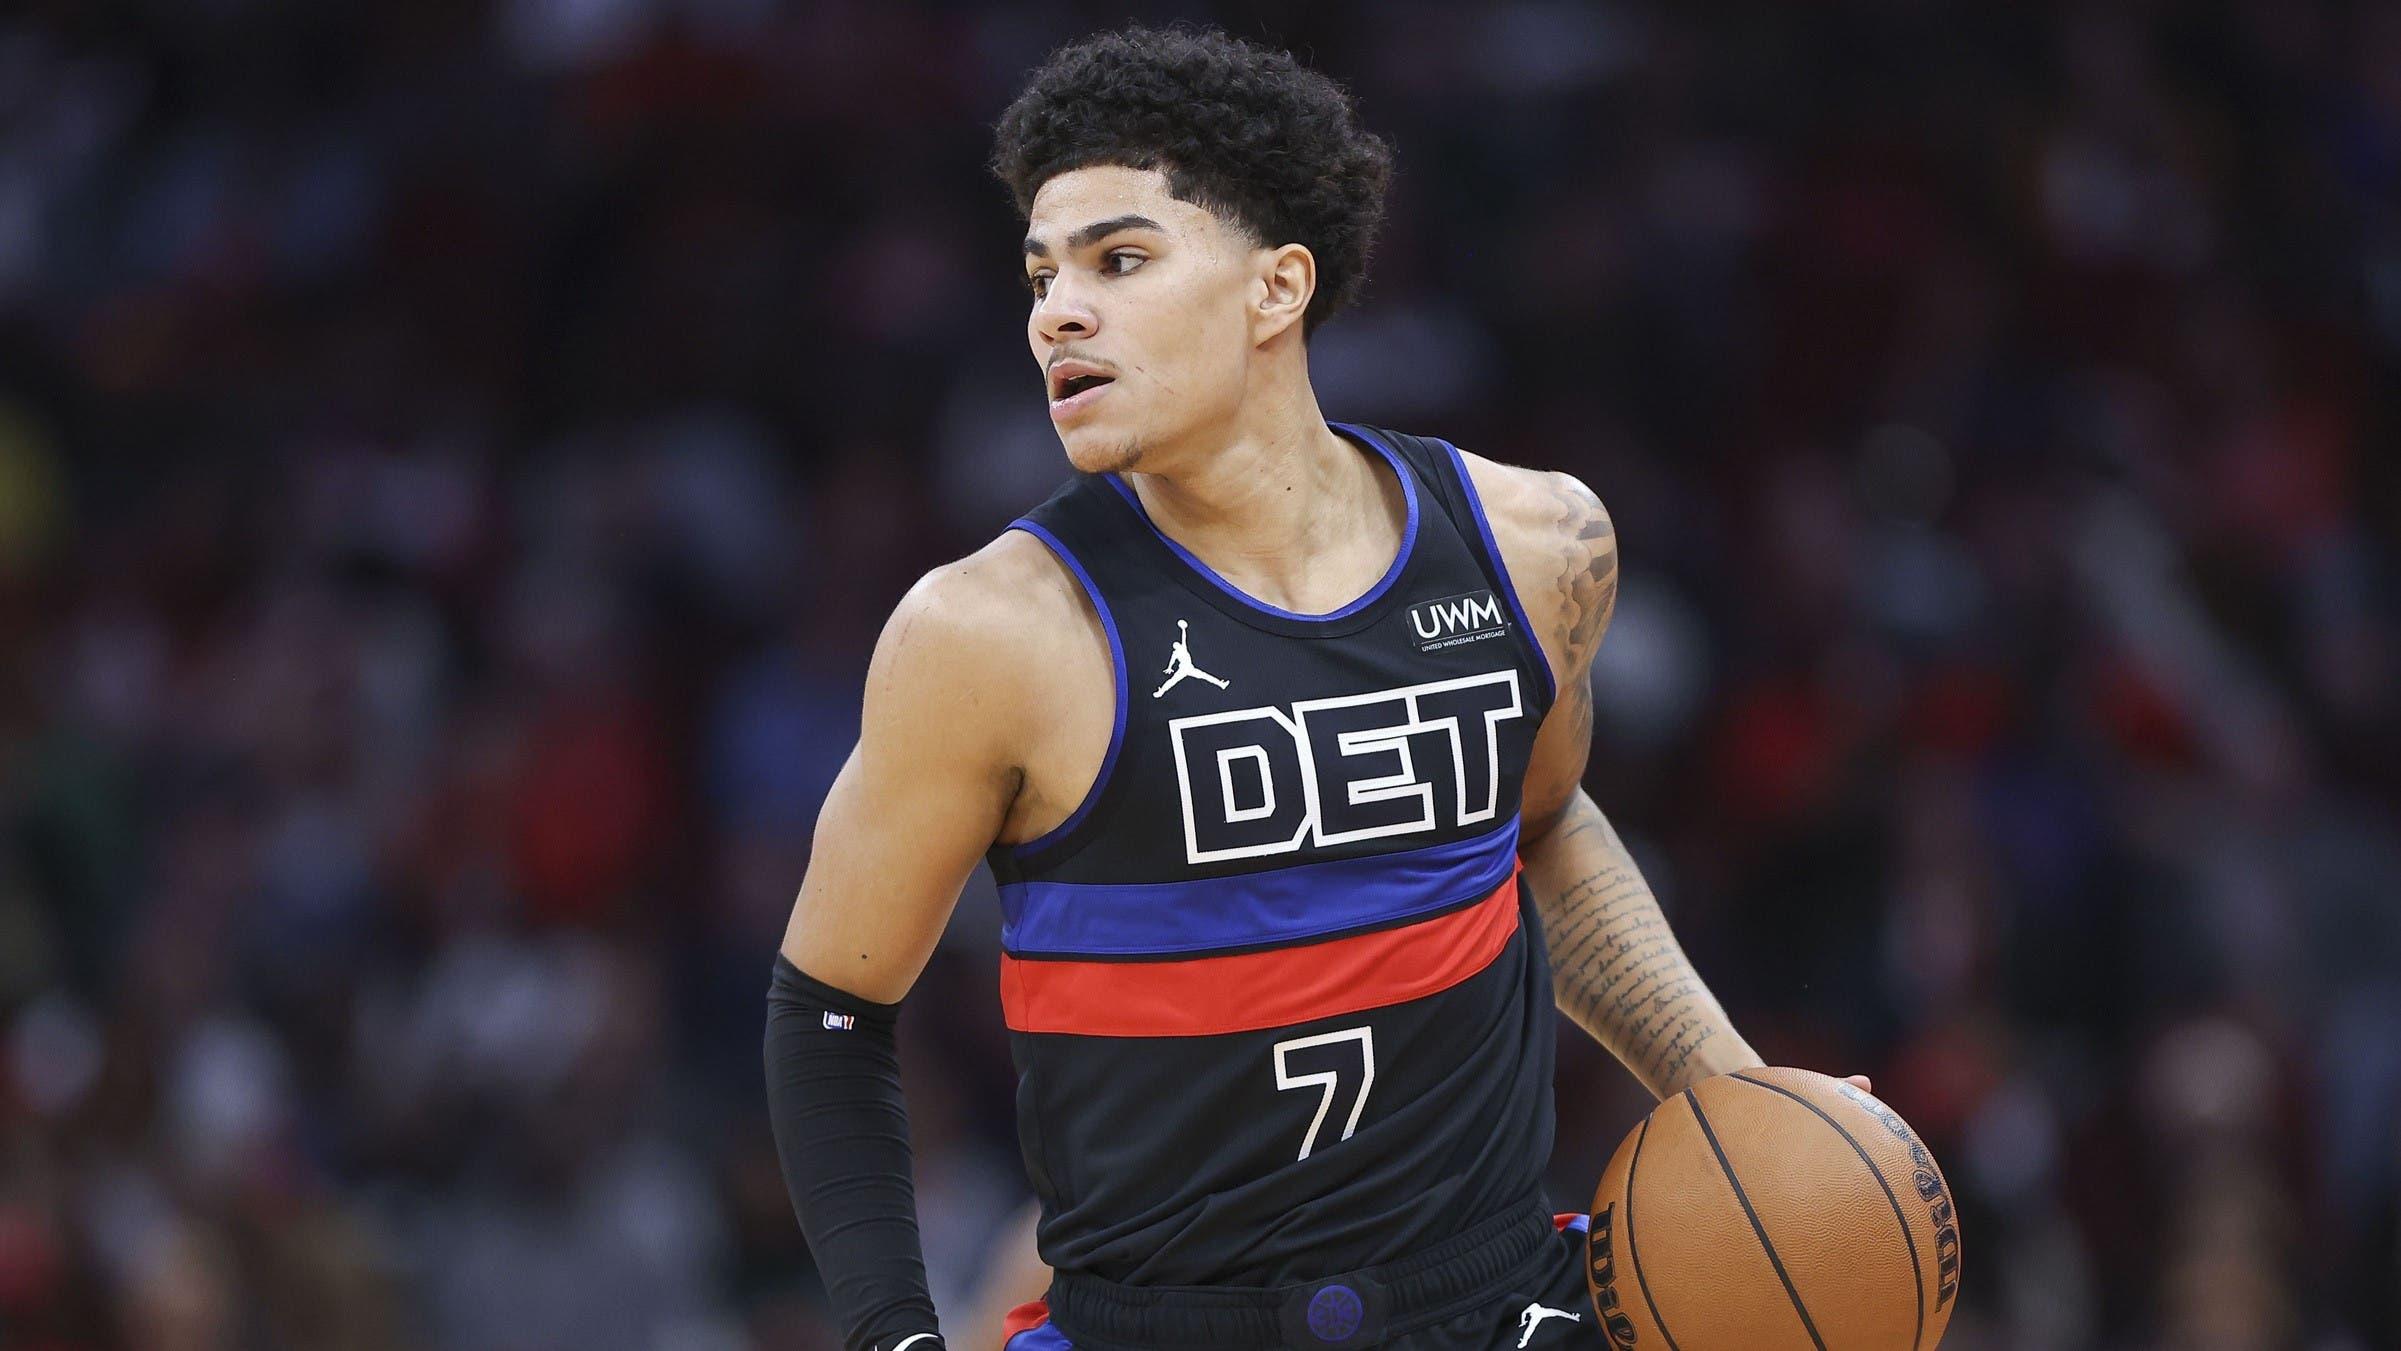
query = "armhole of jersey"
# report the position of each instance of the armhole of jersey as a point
(1108, 763)
(1500, 568)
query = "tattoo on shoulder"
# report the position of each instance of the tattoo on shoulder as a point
(1586, 577)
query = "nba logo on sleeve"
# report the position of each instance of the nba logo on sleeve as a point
(1262, 781)
(841, 1022)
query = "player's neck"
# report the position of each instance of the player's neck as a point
(1280, 504)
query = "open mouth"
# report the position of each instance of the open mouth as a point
(1077, 384)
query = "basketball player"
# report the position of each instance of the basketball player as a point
(1283, 933)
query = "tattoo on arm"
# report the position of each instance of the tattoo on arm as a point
(1583, 595)
(1587, 574)
(1616, 967)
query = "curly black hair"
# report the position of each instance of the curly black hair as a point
(1243, 131)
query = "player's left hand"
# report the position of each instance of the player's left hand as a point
(1860, 1082)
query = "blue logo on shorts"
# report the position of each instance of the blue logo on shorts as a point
(1335, 1313)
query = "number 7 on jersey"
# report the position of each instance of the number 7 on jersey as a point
(1326, 1061)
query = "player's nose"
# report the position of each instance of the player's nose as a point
(1063, 313)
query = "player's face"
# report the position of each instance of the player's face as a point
(1140, 313)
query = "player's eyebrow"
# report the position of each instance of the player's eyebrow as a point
(1092, 234)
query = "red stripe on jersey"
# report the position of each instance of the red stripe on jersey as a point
(1024, 1318)
(1204, 996)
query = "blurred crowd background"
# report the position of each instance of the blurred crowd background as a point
(456, 456)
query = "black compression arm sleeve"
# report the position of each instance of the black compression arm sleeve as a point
(842, 1131)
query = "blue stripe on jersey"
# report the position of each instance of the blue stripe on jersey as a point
(1284, 905)
(1043, 1336)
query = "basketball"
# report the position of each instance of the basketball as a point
(1773, 1210)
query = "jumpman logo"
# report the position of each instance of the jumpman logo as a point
(1532, 1319)
(1179, 663)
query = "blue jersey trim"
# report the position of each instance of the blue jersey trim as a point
(1043, 1336)
(1284, 905)
(1500, 569)
(1400, 560)
(1108, 622)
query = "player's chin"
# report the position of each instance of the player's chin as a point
(1094, 450)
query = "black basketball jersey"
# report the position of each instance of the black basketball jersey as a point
(1278, 1001)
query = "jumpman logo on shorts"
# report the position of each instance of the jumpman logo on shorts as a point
(1532, 1319)
(1179, 663)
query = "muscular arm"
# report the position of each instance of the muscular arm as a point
(929, 786)
(922, 795)
(1616, 968)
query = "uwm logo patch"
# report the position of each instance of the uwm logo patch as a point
(1456, 619)
(1259, 781)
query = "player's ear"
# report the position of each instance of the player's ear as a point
(1287, 279)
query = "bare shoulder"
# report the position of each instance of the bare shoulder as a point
(1008, 593)
(951, 720)
(969, 647)
(1001, 665)
(1560, 546)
